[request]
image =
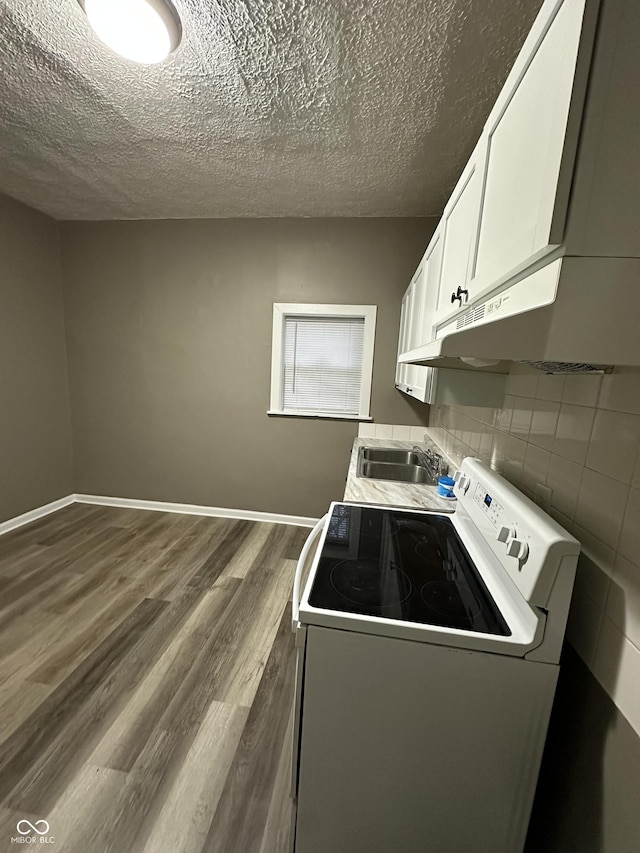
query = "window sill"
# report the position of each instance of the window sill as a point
(318, 415)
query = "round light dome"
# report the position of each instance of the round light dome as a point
(144, 31)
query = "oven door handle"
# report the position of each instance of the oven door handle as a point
(299, 569)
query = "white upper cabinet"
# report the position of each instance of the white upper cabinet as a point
(521, 215)
(419, 382)
(546, 215)
(400, 367)
(416, 321)
(412, 378)
(432, 265)
(459, 228)
(417, 305)
(416, 378)
(429, 385)
(509, 206)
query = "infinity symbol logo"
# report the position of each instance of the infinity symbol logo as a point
(32, 827)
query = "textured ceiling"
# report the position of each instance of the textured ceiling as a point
(267, 108)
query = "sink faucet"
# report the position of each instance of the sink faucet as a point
(431, 460)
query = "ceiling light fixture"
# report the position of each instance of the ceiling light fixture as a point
(144, 31)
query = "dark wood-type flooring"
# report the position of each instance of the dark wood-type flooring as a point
(146, 682)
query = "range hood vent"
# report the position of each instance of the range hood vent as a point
(567, 367)
(471, 316)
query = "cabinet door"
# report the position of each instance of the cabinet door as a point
(419, 302)
(417, 374)
(412, 378)
(401, 369)
(405, 373)
(430, 283)
(459, 230)
(526, 137)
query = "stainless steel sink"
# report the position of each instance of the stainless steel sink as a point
(400, 466)
(399, 472)
(390, 454)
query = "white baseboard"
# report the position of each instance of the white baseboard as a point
(195, 509)
(155, 506)
(34, 514)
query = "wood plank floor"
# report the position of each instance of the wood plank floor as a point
(146, 681)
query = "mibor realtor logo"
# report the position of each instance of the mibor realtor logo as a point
(32, 833)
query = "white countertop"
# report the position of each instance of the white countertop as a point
(415, 496)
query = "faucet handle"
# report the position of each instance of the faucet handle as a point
(434, 460)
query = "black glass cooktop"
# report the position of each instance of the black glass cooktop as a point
(401, 565)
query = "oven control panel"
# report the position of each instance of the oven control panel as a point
(517, 544)
(524, 539)
(488, 504)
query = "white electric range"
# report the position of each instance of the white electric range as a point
(428, 655)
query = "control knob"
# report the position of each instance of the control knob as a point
(518, 549)
(463, 482)
(506, 533)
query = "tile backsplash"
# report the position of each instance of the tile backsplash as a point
(579, 436)
(397, 432)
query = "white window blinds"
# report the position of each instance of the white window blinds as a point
(322, 364)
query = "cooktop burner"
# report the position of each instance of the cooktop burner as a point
(358, 581)
(447, 599)
(401, 565)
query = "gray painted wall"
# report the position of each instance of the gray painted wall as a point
(169, 331)
(35, 426)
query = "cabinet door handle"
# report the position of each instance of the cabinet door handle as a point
(458, 295)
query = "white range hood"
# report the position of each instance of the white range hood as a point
(590, 315)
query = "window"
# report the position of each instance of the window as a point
(322, 360)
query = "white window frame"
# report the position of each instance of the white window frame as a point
(281, 310)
